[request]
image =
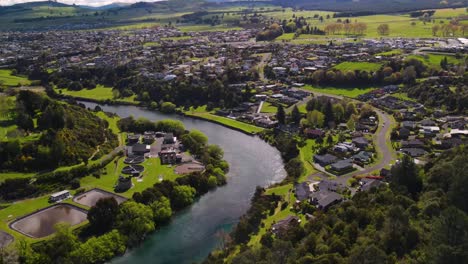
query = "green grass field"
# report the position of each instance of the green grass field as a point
(100, 93)
(347, 92)
(268, 108)
(390, 53)
(400, 24)
(433, 60)
(7, 79)
(363, 66)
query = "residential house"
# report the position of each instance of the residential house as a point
(303, 190)
(314, 133)
(324, 199)
(414, 143)
(361, 142)
(368, 184)
(324, 160)
(404, 133)
(281, 227)
(363, 157)
(342, 165)
(414, 152)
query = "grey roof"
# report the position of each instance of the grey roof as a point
(325, 159)
(302, 191)
(342, 164)
(368, 184)
(324, 199)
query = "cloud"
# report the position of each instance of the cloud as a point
(77, 2)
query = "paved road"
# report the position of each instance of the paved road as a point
(385, 152)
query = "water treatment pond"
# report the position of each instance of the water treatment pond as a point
(41, 223)
(91, 197)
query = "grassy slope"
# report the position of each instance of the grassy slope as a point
(400, 24)
(10, 80)
(433, 60)
(201, 112)
(100, 93)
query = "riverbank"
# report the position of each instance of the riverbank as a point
(226, 122)
(223, 121)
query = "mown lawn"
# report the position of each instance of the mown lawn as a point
(100, 93)
(347, 92)
(363, 66)
(269, 108)
(11, 80)
(226, 121)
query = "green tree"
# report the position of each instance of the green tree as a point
(296, 115)
(135, 220)
(449, 237)
(103, 214)
(24, 121)
(162, 210)
(405, 176)
(339, 112)
(182, 196)
(168, 107)
(294, 168)
(281, 115)
(315, 118)
(369, 254)
(99, 249)
(58, 248)
(329, 115)
(195, 141)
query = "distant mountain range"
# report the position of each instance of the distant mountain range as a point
(378, 6)
(109, 6)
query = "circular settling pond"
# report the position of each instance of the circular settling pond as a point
(91, 197)
(41, 223)
(134, 160)
(133, 169)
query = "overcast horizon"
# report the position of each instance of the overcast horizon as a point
(77, 2)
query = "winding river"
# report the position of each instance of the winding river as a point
(192, 234)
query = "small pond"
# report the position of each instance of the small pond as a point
(41, 223)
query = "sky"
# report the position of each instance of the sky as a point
(78, 2)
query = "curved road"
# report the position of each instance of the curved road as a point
(381, 137)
